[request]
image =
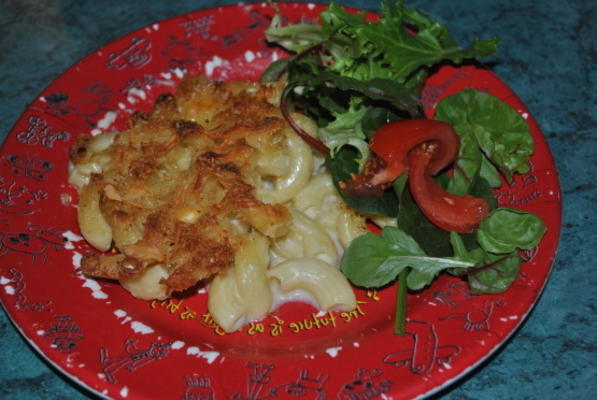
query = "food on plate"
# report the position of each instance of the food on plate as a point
(212, 185)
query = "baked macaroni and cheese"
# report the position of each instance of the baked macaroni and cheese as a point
(213, 186)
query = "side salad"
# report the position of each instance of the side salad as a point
(361, 80)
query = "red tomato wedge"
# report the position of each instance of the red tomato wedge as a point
(423, 148)
(448, 211)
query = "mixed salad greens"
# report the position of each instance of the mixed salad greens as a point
(357, 77)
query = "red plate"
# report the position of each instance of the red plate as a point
(119, 347)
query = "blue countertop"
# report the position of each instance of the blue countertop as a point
(547, 56)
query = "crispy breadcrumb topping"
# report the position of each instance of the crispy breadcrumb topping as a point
(178, 187)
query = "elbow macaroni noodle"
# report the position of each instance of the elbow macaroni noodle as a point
(267, 264)
(293, 176)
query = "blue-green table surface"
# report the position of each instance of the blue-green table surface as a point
(548, 57)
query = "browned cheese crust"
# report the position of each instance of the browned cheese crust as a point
(177, 187)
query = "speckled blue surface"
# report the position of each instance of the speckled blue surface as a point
(548, 56)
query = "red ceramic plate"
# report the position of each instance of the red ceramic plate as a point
(120, 347)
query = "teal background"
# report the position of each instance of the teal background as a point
(547, 56)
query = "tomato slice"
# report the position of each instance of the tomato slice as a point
(447, 211)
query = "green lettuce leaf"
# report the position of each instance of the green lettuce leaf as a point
(373, 261)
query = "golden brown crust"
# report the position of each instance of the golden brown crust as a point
(117, 266)
(79, 152)
(176, 185)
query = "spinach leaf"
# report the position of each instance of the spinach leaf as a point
(374, 260)
(505, 230)
(493, 273)
(482, 189)
(345, 163)
(501, 132)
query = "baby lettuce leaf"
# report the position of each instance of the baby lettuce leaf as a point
(505, 230)
(275, 70)
(500, 131)
(373, 261)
